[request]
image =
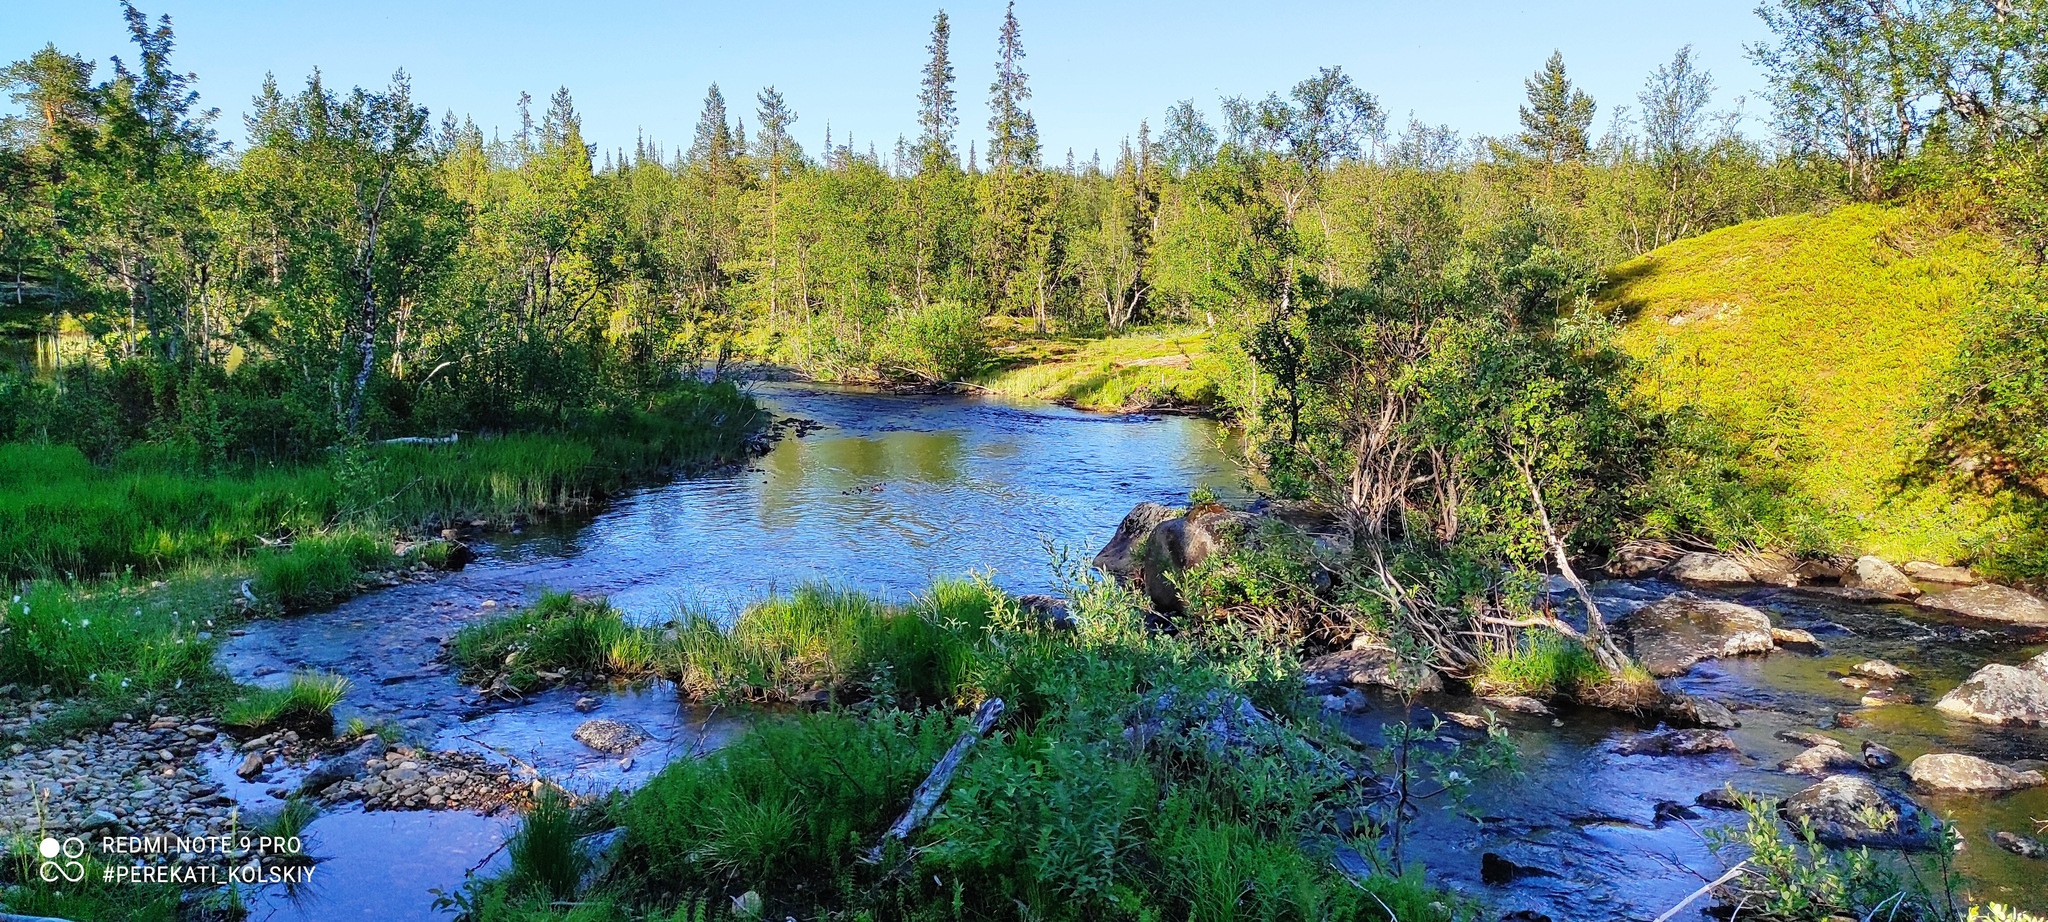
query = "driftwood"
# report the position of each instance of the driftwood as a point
(927, 797)
(449, 439)
(1733, 872)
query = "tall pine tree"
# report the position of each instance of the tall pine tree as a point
(1558, 121)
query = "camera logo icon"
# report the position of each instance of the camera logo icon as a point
(69, 869)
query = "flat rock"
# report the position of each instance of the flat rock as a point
(2001, 694)
(1967, 774)
(1795, 639)
(1879, 669)
(1680, 709)
(1709, 570)
(1370, 667)
(1990, 602)
(607, 735)
(1936, 573)
(1850, 811)
(1520, 704)
(1677, 743)
(1875, 574)
(1822, 760)
(2019, 845)
(343, 767)
(1668, 637)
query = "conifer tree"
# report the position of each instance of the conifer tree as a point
(1013, 134)
(1558, 121)
(937, 112)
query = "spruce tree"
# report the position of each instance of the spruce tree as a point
(937, 112)
(714, 143)
(1013, 134)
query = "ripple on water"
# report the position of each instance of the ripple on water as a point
(383, 866)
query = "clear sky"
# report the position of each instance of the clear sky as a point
(1096, 68)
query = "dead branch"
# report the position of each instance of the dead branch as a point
(928, 794)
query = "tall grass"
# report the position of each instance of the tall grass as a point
(557, 637)
(1540, 665)
(305, 702)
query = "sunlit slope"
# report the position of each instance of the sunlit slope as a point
(1820, 332)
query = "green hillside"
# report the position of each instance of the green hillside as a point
(1821, 332)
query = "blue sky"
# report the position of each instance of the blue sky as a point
(1096, 68)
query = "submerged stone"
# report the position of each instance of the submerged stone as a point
(607, 735)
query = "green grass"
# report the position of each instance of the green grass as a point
(1061, 813)
(1541, 665)
(305, 702)
(1816, 337)
(558, 637)
(1134, 371)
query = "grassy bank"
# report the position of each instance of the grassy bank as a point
(124, 574)
(1133, 776)
(1154, 369)
(1814, 338)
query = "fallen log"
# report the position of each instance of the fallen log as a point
(928, 794)
(448, 439)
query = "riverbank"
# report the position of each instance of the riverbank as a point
(1168, 370)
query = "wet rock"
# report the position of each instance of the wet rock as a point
(1990, 602)
(1670, 636)
(1879, 756)
(342, 768)
(607, 735)
(1496, 870)
(1879, 669)
(1722, 798)
(1680, 709)
(1370, 667)
(1875, 574)
(1885, 697)
(1773, 569)
(1806, 738)
(1668, 811)
(1677, 743)
(251, 766)
(2019, 845)
(1346, 701)
(1958, 773)
(1518, 703)
(1822, 760)
(1709, 570)
(1795, 639)
(586, 704)
(2001, 694)
(1850, 811)
(1854, 681)
(1850, 594)
(1936, 573)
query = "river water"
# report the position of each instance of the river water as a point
(895, 490)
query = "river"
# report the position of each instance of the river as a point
(895, 490)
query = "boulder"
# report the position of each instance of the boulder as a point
(1709, 570)
(1875, 574)
(1879, 756)
(1669, 636)
(1773, 569)
(1119, 558)
(1955, 772)
(1935, 573)
(1677, 743)
(1990, 602)
(1370, 667)
(1849, 811)
(1724, 798)
(1681, 709)
(341, 768)
(1822, 760)
(2001, 694)
(1631, 561)
(607, 735)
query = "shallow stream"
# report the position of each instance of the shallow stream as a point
(895, 490)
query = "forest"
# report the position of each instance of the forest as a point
(256, 379)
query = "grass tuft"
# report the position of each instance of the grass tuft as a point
(305, 703)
